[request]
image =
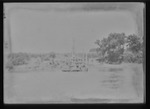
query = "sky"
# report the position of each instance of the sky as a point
(43, 32)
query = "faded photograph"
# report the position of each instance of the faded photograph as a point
(74, 53)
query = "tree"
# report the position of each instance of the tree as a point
(18, 58)
(135, 44)
(112, 47)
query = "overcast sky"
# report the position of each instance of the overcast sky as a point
(41, 32)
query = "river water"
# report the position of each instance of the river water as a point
(102, 82)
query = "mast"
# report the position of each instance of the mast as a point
(73, 50)
(73, 47)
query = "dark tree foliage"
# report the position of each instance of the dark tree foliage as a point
(112, 49)
(18, 58)
(135, 44)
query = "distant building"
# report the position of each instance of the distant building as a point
(92, 58)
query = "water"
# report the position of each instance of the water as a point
(66, 85)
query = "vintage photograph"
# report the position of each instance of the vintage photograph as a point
(74, 53)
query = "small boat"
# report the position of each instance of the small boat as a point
(74, 68)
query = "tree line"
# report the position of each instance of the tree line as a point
(16, 59)
(114, 49)
(118, 48)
